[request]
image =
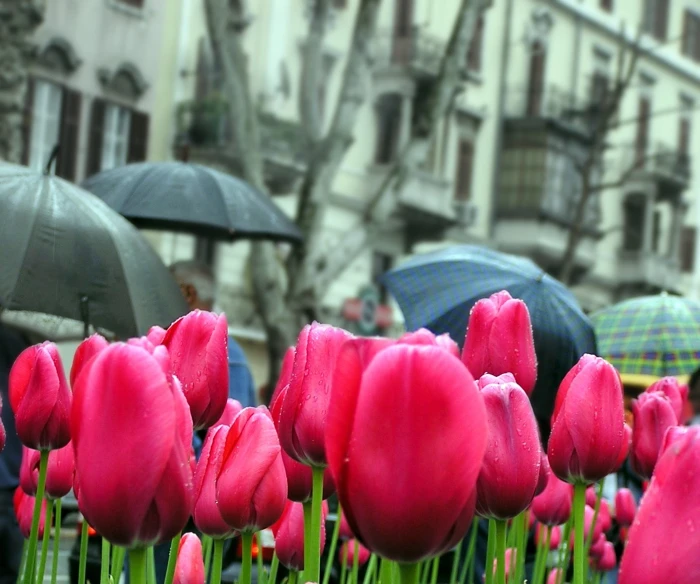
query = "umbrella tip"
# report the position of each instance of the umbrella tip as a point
(541, 276)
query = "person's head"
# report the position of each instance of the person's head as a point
(196, 281)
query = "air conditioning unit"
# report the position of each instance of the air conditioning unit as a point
(466, 213)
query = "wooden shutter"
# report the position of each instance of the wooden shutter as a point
(68, 135)
(203, 71)
(661, 20)
(683, 135)
(536, 80)
(388, 127)
(642, 141)
(465, 165)
(27, 120)
(474, 55)
(687, 248)
(138, 137)
(606, 5)
(656, 231)
(97, 123)
(403, 29)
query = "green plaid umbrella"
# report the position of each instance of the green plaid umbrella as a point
(651, 335)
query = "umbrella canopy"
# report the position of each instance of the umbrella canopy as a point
(437, 290)
(67, 254)
(179, 196)
(651, 335)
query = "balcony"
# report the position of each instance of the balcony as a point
(204, 127)
(417, 52)
(669, 169)
(425, 199)
(647, 273)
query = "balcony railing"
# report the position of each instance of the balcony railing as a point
(664, 162)
(428, 196)
(417, 50)
(640, 267)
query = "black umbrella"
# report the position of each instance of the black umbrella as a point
(66, 253)
(179, 196)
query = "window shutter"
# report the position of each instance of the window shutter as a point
(27, 120)
(687, 248)
(474, 55)
(606, 5)
(536, 80)
(465, 165)
(203, 71)
(68, 136)
(661, 21)
(403, 25)
(138, 137)
(642, 131)
(97, 122)
(687, 38)
(683, 135)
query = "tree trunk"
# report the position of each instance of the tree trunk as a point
(574, 237)
(18, 21)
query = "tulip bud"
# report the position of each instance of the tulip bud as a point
(543, 477)
(59, 471)
(156, 335)
(302, 420)
(591, 496)
(608, 558)
(588, 435)
(553, 505)
(439, 404)
(24, 511)
(499, 340)
(86, 351)
(189, 567)
(346, 553)
(511, 466)
(598, 547)
(206, 514)
(653, 415)
(663, 542)
(625, 507)
(285, 374)
(677, 394)
(289, 535)
(604, 515)
(198, 346)
(145, 440)
(554, 538)
(344, 531)
(232, 408)
(251, 487)
(425, 337)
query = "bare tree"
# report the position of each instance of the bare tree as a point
(288, 293)
(18, 20)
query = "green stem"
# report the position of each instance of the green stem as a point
(293, 577)
(45, 541)
(83, 551)
(522, 546)
(33, 534)
(150, 565)
(306, 506)
(259, 558)
(385, 571)
(579, 549)
(371, 568)
(598, 577)
(539, 555)
(246, 558)
(596, 511)
(104, 563)
(206, 552)
(468, 567)
(137, 566)
(355, 562)
(434, 572)
(344, 568)
(408, 573)
(118, 554)
(218, 559)
(172, 558)
(273, 569)
(490, 551)
(565, 553)
(312, 562)
(56, 542)
(23, 562)
(423, 568)
(455, 563)
(501, 528)
(333, 545)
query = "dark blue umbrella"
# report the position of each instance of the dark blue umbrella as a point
(437, 291)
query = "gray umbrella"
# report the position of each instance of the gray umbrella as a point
(65, 253)
(179, 196)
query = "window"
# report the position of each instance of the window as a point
(687, 249)
(691, 35)
(381, 264)
(655, 18)
(635, 209)
(465, 164)
(46, 123)
(134, 3)
(656, 231)
(606, 5)
(683, 135)
(115, 136)
(536, 79)
(474, 54)
(642, 141)
(388, 127)
(403, 31)
(205, 250)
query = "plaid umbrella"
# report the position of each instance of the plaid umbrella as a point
(437, 290)
(651, 335)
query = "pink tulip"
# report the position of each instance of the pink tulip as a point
(299, 479)
(232, 408)
(302, 420)
(389, 483)
(604, 515)
(251, 487)
(499, 340)
(653, 415)
(425, 337)
(24, 511)
(588, 434)
(189, 567)
(3, 435)
(608, 559)
(677, 394)
(285, 374)
(510, 470)
(625, 507)
(554, 538)
(156, 335)
(509, 561)
(346, 553)
(591, 496)
(289, 535)
(40, 398)
(556, 576)
(206, 514)
(344, 531)
(59, 471)
(543, 477)
(664, 539)
(553, 505)
(198, 346)
(145, 440)
(86, 351)
(598, 548)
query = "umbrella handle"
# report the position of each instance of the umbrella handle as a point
(52, 159)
